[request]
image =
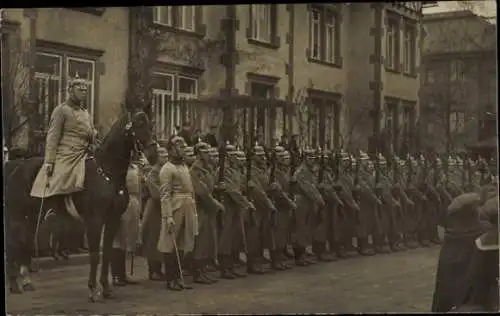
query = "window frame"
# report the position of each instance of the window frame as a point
(409, 57)
(253, 29)
(323, 46)
(45, 76)
(181, 22)
(158, 14)
(392, 37)
(172, 115)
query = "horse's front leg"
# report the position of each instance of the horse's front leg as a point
(110, 228)
(94, 231)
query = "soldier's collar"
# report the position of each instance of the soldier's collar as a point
(74, 104)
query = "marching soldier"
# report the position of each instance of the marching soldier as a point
(309, 201)
(435, 211)
(178, 211)
(325, 227)
(237, 210)
(259, 231)
(151, 220)
(204, 182)
(286, 208)
(423, 186)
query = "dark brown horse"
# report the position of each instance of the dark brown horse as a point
(101, 203)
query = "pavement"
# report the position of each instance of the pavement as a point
(397, 282)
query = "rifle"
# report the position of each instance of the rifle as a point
(378, 193)
(410, 170)
(464, 175)
(321, 166)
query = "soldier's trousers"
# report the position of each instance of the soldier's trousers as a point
(283, 229)
(172, 265)
(203, 240)
(255, 234)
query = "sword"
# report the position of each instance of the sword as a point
(173, 234)
(37, 229)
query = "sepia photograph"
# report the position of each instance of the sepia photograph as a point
(282, 158)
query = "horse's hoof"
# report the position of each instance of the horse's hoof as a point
(106, 294)
(28, 287)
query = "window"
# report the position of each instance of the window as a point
(180, 17)
(392, 44)
(48, 86)
(457, 70)
(409, 48)
(430, 76)
(457, 122)
(162, 15)
(263, 123)
(261, 22)
(186, 20)
(49, 78)
(324, 35)
(168, 114)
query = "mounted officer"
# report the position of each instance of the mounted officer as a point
(70, 137)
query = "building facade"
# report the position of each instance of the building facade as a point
(351, 69)
(459, 80)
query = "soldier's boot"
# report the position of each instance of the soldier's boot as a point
(225, 272)
(253, 266)
(232, 268)
(182, 258)
(276, 263)
(287, 253)
(422, 239)
(435, 236)
(213, 265)
(300, 259)
(205, 271)
(237, 262)
(283, 260)
(319, 249)
(364, 247)
(310, 257)
(154, 270)
(122, 269)
(197, 272)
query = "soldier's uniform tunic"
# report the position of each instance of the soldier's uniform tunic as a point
(207, 206)
(178, 202)
(236, 207)
(308, 201)
(369, 204)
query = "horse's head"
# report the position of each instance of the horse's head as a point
(139, 128)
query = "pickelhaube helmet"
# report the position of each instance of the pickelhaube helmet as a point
(451, 161)
(201, 147)
(258, 150)
(344, 156)
(76, 81)
(459, 161)
(189, 151)
(438, 162)
(381, 159)
(363, 156)
(309, 153)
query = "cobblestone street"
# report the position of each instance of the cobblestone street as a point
(398, 282)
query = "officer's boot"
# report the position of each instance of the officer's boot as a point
(300, 256)
(422, 238)
(154, 270)
(197, 272)
(172, 272)
(364, 247)
(283, 259)
(186, 262)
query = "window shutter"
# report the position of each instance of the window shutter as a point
(201, 28)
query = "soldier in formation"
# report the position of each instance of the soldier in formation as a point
(230, 208)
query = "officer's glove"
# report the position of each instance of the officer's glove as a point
(49, 169)
(170, 223)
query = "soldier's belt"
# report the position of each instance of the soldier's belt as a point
(184, 194)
